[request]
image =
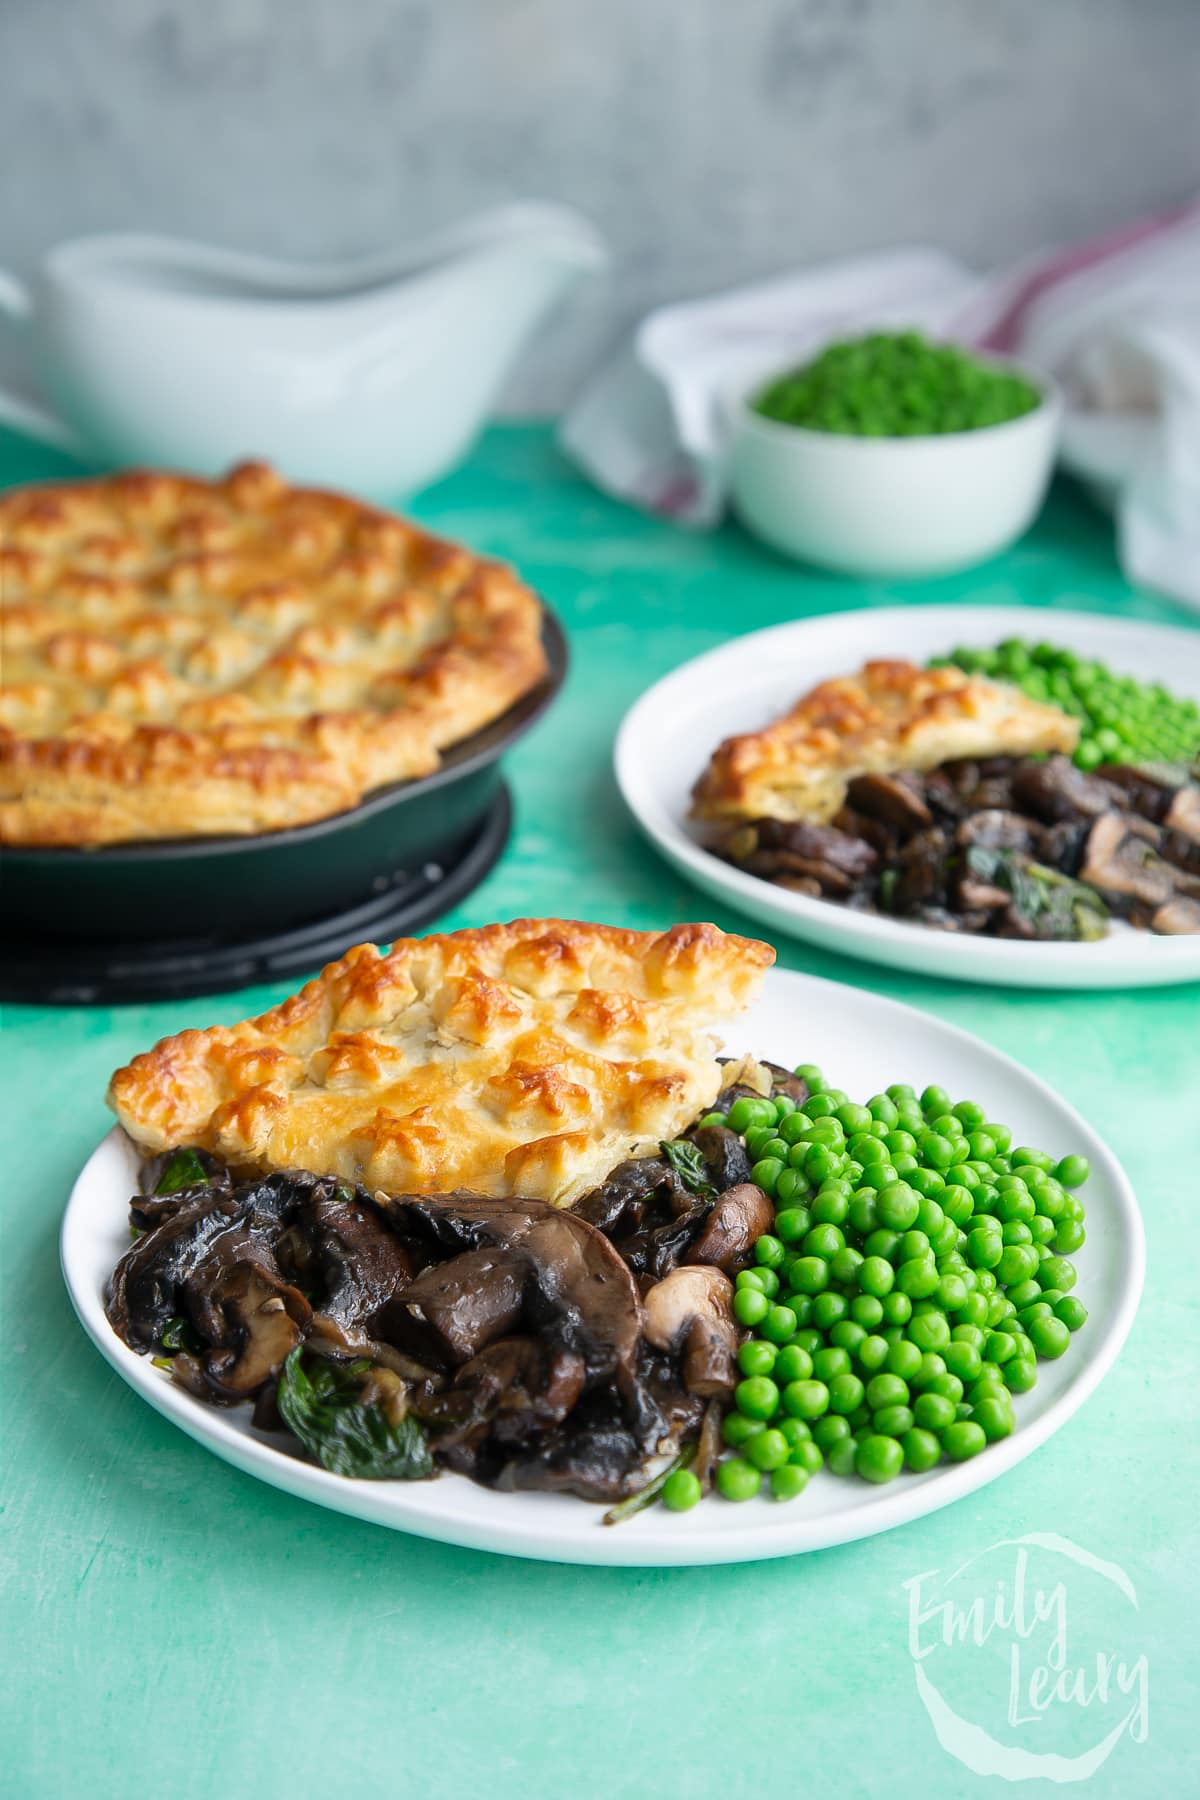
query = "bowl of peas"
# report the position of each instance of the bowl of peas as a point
(893, 455)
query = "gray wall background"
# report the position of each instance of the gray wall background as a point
(711, 140)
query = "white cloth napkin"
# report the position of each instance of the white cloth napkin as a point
(1116, 321)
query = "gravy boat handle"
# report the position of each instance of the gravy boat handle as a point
(26, 415)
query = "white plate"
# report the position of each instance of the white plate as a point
(863, 1043)
(669, 734)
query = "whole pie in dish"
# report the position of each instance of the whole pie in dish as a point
(525, 1058)
(184, 657)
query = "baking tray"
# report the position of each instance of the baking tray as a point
(235, 886)
(49, 972)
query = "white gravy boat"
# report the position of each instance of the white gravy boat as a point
(373, 375)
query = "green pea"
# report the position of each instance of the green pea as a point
(844, 1265)
(1071, 1312)
(750, 1306)
(793, 1363)
(757, 1397)
(831, 1362)
(873, 1353)
(878, 1458)
(765, 1174)
(829, 1429)
(808, 1456)
(963, 1360)
(681, 1491)
(930, 1332)
(768, 1450)
(738, 1479)
(792, 1224)
(779, 1325)
(934, 1412)
(789, 1482)
(1057, 1272)
(1020, 1375)
(1073, 1171)
(994, 1417)
(876, 1276)
(903, 1359)
(1049, 1337)
(756, 1358)
(745, 1113)
(1069, 1237)
(885, 1243)
(866, 1310)
(918, 1278)
(963, 1439)
(886, 1390)
(806, 1399)
(840, 1458)
(897, 1308)
(829, 1309)
(893, 1421)
(810, 1275)
(921, 1449)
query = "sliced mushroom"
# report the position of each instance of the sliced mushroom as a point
(1179, 917)
(453, 1310)
(1183, 814)
(618, 1205)
(738, 1219)
(1119, 861)
(895, 800)
(577, 1280)
(996, 830)
(263, 1318)
(691, 1310)
(725, 1155)
(1056, 789)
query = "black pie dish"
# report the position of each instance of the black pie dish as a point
(168, 888)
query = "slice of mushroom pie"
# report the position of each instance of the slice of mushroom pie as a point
(526, 1058)
(889, 716)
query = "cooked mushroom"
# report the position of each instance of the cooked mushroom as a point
(895, 800)
(619, 1204)
(733, 1225)
(996, 830)
(1179, 917)
(1119, 861)
(691, 1309)
(260, 1319)
(725, 1155)
(1183, 814)
(1056, 789)
(576, 1277)
(453, 1310)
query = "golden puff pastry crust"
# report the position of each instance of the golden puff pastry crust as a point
(888, 717)
(184, 657)
(526, 1058)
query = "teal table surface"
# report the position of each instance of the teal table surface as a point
(172, 1626)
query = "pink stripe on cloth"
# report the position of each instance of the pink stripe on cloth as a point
(1062, 265)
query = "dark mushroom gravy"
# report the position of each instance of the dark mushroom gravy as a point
(1011, 847)
(522, 1345)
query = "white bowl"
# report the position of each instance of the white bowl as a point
(891, 506)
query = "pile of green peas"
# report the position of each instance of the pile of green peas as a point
(1121, 720)
(896, 384)
(918, 1270)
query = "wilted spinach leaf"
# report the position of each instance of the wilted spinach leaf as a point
(182, 1169)
(1057, 907)
(687, 1162)
(325, 1412)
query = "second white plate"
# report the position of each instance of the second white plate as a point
(669, 734)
